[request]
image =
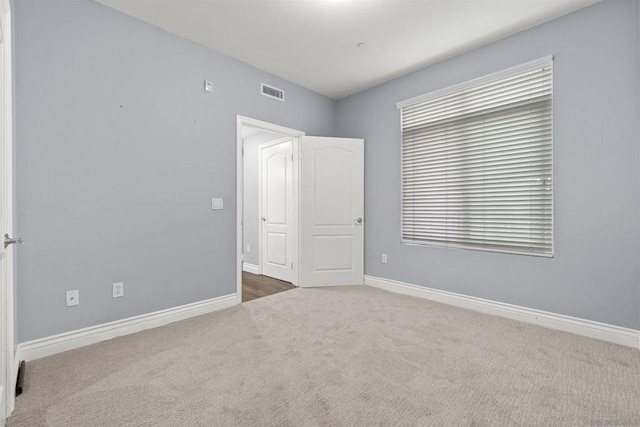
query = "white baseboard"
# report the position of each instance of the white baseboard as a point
(47, 346)
(250, 268)
(588, 328)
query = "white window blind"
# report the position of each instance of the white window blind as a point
(477, 163)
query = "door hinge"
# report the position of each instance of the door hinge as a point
(292, 266)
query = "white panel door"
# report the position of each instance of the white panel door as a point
(276, 188)
(332, 194)
(7, 246)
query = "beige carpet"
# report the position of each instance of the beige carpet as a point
(337, 356)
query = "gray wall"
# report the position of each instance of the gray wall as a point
(119, 151)
(251, 205)
(594, 274)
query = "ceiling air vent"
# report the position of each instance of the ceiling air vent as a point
(272, 92)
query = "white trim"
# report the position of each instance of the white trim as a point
(14, 375)
(588, 328)
(16, 364)
(47, 346)
(476, 82)
(241, 122)
(250, 268)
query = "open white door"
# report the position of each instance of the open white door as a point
(276, 210)
(332, 195)
(6, 219)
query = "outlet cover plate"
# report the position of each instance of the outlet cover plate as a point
(118, 290)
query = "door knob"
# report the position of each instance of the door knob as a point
(9, 241)
(358, 221)
(263, 219)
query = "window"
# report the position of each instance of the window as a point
(477, 163)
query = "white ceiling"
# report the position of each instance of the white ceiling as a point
(313, 42)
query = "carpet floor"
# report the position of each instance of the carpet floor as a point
(336, 356)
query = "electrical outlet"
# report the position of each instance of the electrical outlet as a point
(72, 298)
(118, 290)
(248, 248)
(384, 258)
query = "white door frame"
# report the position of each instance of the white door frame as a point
(296, 135)
(8, 371)
(260, 207)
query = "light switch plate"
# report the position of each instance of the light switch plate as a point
(217, 203)
(208, 86)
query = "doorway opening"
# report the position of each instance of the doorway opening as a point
(267, 208)
(310, 224)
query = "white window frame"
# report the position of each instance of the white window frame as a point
(494, 77)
